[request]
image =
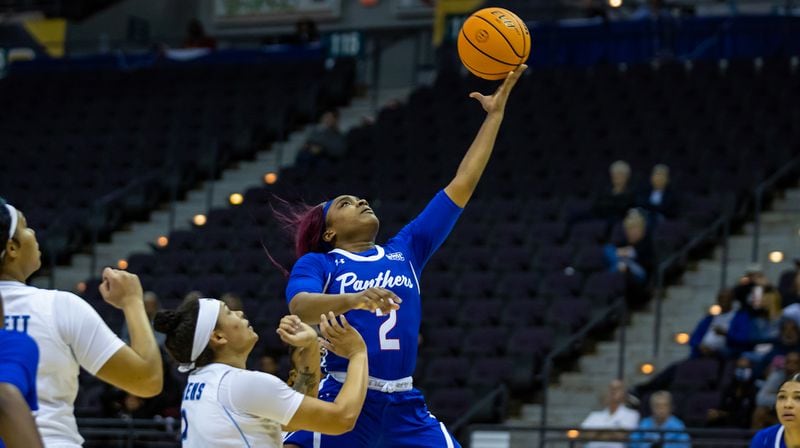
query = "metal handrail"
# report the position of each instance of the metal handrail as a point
(699, 436)
(619, 304)
(758, 194)
(501, 390)
(723, 222)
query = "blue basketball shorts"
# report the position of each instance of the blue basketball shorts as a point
(388, 420)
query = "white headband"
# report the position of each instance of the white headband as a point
(206, 321)
(12, 229)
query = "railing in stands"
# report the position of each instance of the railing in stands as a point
(130, 433)
(562, 437)
(490, 399)
(758, 196)
(619, 306)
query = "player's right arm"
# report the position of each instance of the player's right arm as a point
(309, 306)
(17, 427)
(307, 300)
(341, 415)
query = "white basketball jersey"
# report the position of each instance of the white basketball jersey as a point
(70, 334)
(211, 417)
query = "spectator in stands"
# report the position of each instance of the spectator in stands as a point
(757, 321)
(325, 142)
(658, 199)
(233, 301)
(753, 286)
(614, 416)
(19, 357)
(634, 257)
(785, 368)
(151, 307)
(737, 400)
(70, 334)
(613, 203)
(196, 36)
(709, 337)
(788, 340)
(663, 420)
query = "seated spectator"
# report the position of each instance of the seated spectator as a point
(151, 307)
(737, 400)
(614, 416)
(324, 142)
(785, 368)
(788, 340)
(658, 199)
(756, 322)
(613, 203)
(196, 37)
(754, 286)
(663, 420)
(709, 337)
(634, 257)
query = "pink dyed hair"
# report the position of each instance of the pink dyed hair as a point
(305, 223)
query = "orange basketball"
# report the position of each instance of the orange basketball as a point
(493, 42)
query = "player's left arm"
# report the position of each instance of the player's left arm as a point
(302, 338)
(17, 427)
(469, 172)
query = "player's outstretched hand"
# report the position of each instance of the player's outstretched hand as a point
(296, 333)
(120, 288)
(340, 338)
(496, 103)
(372, 299)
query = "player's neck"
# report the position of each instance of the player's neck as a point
(9, 275)
(231, 359)
(356, 246)
(791, 436)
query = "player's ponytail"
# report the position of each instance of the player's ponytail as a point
(179, 326)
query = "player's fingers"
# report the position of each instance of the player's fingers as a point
(283, 335)
(345, 323)
(326, 345)
(391, 296)
(323, 324)
(335, 325)
(476, 95)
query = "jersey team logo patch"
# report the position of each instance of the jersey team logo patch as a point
(396, 256)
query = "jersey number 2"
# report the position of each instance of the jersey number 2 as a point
(386, 342)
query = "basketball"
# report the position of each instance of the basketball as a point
(493, 42)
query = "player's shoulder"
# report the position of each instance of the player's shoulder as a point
(314, 259)
(766, 435)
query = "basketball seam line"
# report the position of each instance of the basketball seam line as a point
(522, 29)
(485, 53)
(483, 73)
(501, 33)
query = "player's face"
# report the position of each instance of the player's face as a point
(349, 215)
(237, 330)
(787, 405)
(29, 258)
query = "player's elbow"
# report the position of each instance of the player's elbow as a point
(344, 424)
(149, 386)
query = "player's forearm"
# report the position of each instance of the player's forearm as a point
(307, 368)
(309, 306)
(475, 160)
(143, 342)
(354, 391)
(17, 427)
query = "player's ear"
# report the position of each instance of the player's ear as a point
(218, 339)
(329, 235)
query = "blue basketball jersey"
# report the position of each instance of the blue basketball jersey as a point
(19, 359)
(391, 339)
(771, 437)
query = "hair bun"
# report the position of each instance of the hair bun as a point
(166, 321)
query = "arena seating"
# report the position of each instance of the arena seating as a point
(126, 139)
(515, 277)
